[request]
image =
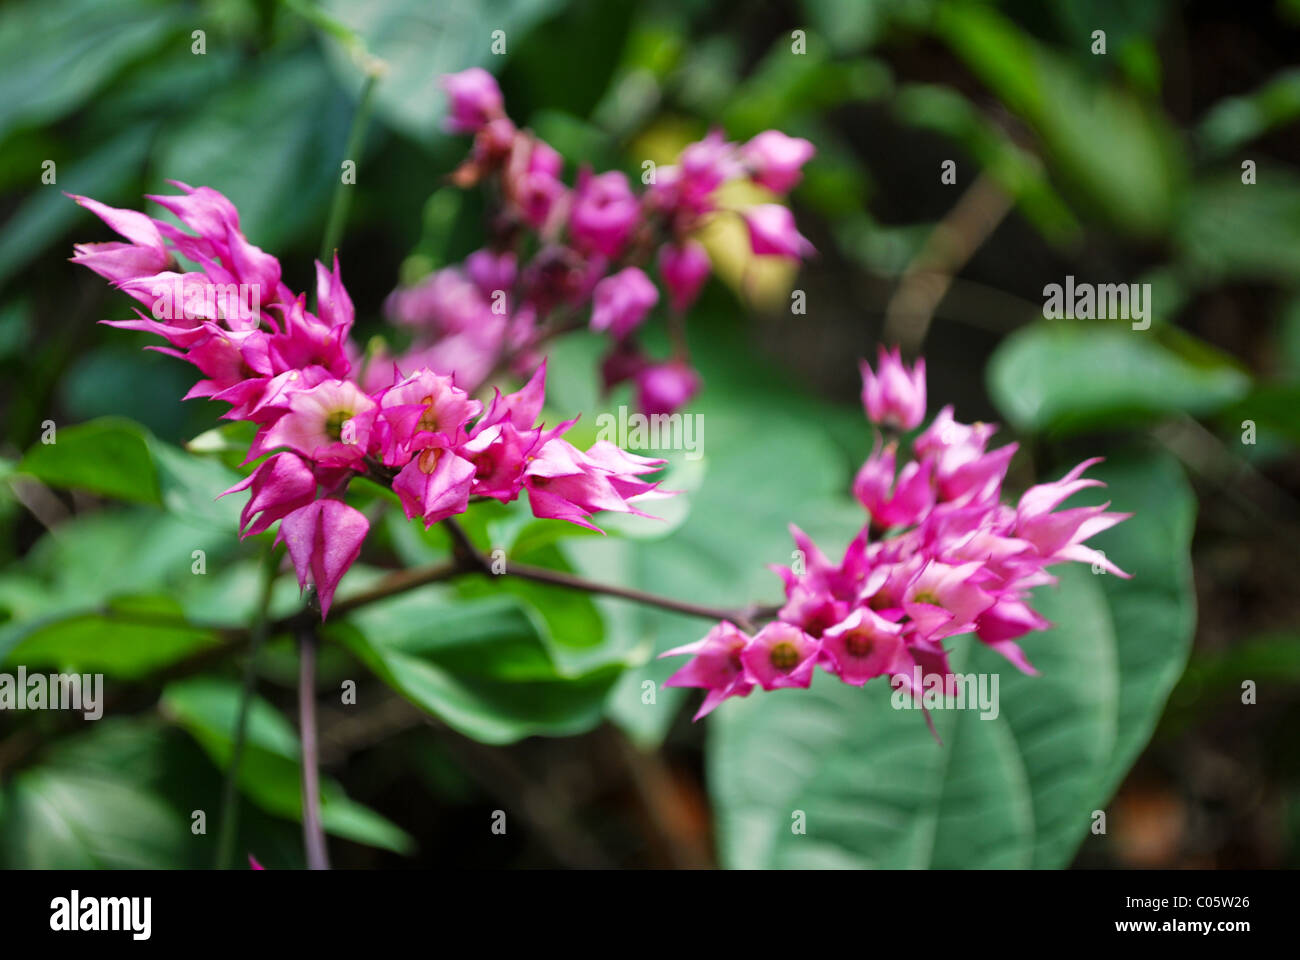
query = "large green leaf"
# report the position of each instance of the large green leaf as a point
(54, 54)
(1015, 790)
(1229, 230)
(124, 793)
(288, 122)
(109, 456)
(1115, 150)
(418, 43)
(102, 173)
(482, 666)
(131, 638)
(119, 458)
(1066, 376)
(57, 819)
(269, 773)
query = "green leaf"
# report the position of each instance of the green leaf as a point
(153, 778)
(418, 43)
(269, 773)
(109, 456)
(1234, 121)
(134, 637)
(1067, 376)
(1232, 230)
(1015, 790)
(103, 173)
(56, 819)
(1116, 150)
(481, 666)
(271, 142)
(90, 559)
(54, 54)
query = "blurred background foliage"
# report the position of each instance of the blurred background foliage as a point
(1114, 168)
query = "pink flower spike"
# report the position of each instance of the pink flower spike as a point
(324, 539)
(621, 301)
(714, 666)
(892, 396)
(777, 160)
(772, 232)
(781, 655)
(253, 864)
(473, 99)
(684, 267)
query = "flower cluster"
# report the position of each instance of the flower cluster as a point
(289, 371)
(940, 555)
(591, 244)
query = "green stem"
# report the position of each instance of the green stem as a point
(342, 195)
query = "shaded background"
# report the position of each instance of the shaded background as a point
(1122, 167)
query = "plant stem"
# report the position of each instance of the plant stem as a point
(468, 559)
(313, 834)
(230, 789)
(949, 247)
(342, 195)
(570, 582)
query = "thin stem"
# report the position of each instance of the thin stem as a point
(468, 559)
(313, 833)
(951, 244)
(230, 789)
(342, 195)
(557, 578)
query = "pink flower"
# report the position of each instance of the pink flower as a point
(604, 212)
(944, 600)
(665, 387)
(714, 666)
(473, 99)
(777, 160)
(144, 256)
(781, 655)
(894, 503)
(684, 267)
(892, 396)
(332, 301)
(324, 539)
(435, 485)
(621, 301)
(280, 485)
(422, 411)
(564, 483)
(329, 423)
(1061, 535)
(956, 560)
(772, 232)
(864, 645)
(704, 166)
